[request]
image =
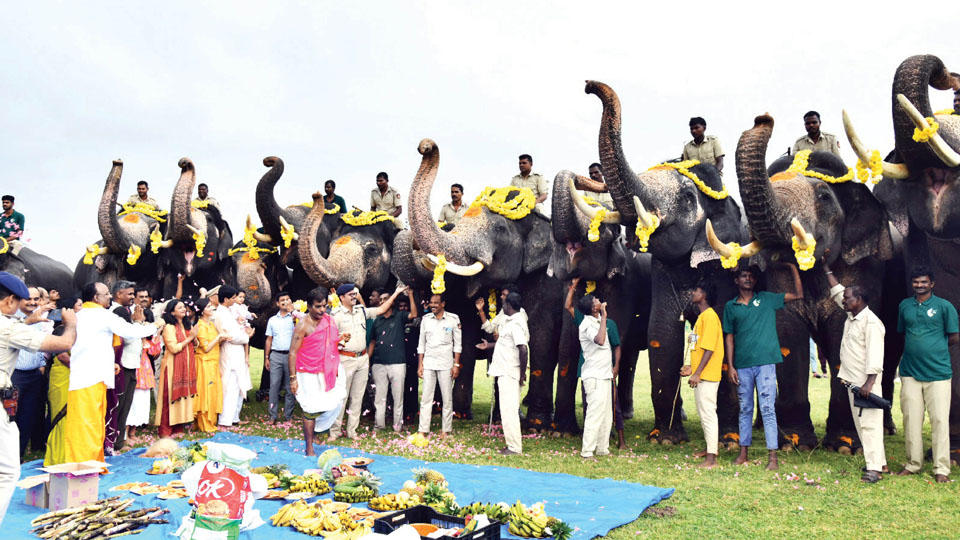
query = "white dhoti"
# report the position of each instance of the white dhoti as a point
(316, 401)
(236, 382)
(139, 408)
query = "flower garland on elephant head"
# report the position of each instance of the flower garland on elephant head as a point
(437, 286)
(328, 211)
(924, 135)
(496, 200)
(250, 246)
(200, 242)
(801, 162)
(683, 168)
(145, 209)
(360, 218)
(593, 232)
(133, 255)
(805, 258)
(156, 241)
(6, 245)
(590, 287)
(872, 172)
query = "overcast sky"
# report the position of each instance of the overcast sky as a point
(343, 90)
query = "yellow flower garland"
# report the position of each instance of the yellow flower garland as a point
(437, 286)
(801, 162)
(684, 168)
(944, 112)
(199, 204)
(496, 200)
(872, 172)
(333, 300)
(156, 239)
(923, 135)
(201, 242)
(250, 245)
(590, 287)
(92, 251)
(145, 209)
(734, 259)
(441, 224)
(492, 303)
(329, 211)
(805, 258)
(300, 306)
(593, 233)
(6, 245)
(287, 233)
(359, 218)
(643, 233)
(133, 255)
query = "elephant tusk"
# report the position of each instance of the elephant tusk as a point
(751, 249)
(427, 263)
(897, 171)
(261, 237)
(457, 269)
(642, 213)
(803, 237)
(947, 155)
(723, 249)
(284, 226)
(612, 217)
(194, 230)
(250, 223)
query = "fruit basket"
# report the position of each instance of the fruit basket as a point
(426, 515)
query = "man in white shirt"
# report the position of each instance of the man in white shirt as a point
(351, 319)
(126, 381)
(492, 326)
(438, 355)
(509, 366)
(233, 358)
(15, 337)
(276, 351)
(596, 377)
(93, 371)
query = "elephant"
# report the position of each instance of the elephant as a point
(921, 193)
(804, 207)
(197, 241)
(124, 250)
(281, 226)
(664, 210)
(621, 277)
(36, 269)
(490, 247)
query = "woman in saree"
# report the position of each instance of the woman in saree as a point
(209, 401)
(177, 382)
(57, 396)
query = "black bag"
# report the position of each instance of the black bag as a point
(872, 401)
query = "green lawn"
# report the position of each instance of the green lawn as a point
(814, 495)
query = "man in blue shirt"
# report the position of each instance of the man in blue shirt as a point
(276, 351)
(29, 378)
(929, 324)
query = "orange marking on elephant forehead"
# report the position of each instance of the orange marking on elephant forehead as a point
(784, 351)
(246, 258)
(132, 218)
(784, 175)
(343, 240)
(473, 211)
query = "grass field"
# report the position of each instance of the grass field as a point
(815, 495)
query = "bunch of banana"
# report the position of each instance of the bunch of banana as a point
(528, 522)
(320, 523)
(353, 492)
(393, 501)
(494, 511)
(313, 483)
(354, 534)
(290, 512)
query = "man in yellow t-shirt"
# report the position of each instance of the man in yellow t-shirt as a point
(706, 359)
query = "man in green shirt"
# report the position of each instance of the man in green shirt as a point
(387, 352)
(11, 221)
(929, 325)
(330, 197)
(753, 351)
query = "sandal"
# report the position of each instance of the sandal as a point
(871, 477)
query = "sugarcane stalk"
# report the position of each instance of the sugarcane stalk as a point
(137, 531)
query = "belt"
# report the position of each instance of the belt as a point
(28, 370)
(353, 354)
(281, 352)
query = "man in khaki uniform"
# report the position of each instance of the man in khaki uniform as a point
(703, 148)
(454, 210)
(142, 196)
(351, 319)
(17, 336)
(596, 174)
(815, 139)
(204, 199)
(532, 180)
(384, 198)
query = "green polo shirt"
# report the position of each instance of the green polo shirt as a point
(754, 329)
(338, 200)
(386, 333)
(613, 335)
(925, 327)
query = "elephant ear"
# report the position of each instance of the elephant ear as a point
(538, 245)
(726, 222)
(893, 195)
(865, 231)
(617, 262)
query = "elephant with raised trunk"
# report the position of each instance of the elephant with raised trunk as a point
(282, 226)
(802, 208)
(618, 274)
(491, 249)
(256, 270)
(665, 210)
(124, 250)
(921, 192)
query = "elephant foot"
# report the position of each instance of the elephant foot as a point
(804, 448)
(955, 458)
(890, 430)
(732, 446)
(730, 440)
(845, 451)
(845, 444)
(796, 438)
(668, 438)
(463, 415)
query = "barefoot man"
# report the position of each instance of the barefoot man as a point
(314, 368)
(706, 359)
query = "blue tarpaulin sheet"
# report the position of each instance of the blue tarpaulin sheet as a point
(594, 507)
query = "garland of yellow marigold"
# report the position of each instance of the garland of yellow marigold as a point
(156, 239)
(300, 306)
(287, 234)
(250, 246)
(359, 218)
(92, 251)
(734, 259)
(437, 286)
(590, 287)
(133, 254)
(805, 258)
(593, 232)
(873, 171)
(924, 135)
(496, 200)
(643, 232)
(145, 209)
(6, 245)
(200, 242)
(684, 168)
(801, 160)
(492, 303)
(333, 300)
(329, 211)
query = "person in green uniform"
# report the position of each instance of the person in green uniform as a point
(929, 325)
(329, 196)
(753, 352)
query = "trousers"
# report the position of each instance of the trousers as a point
(706, 396)
(9, 461)
(599, 417)
(357, 372)
(280, 376)
(869, 423)
(764, 379)
(232, 400)
(934, 396)
(388, 376)
(431, 378)
(509, 389)
(124, 403)
(31, 416)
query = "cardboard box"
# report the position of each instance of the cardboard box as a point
(73, 484)
(38, 490)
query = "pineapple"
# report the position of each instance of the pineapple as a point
(426, 476)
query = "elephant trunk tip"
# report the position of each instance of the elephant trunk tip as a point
(185, 163)
(764, 120)
(317, 199)
(426, 146)
(117, 162)
(270, 161)
(594, 87)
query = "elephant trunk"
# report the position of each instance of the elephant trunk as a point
(619, 177)
(566, 226)
(340, 268)
(110, 230)
(913, 79)
(405, 263)
(267, 207)
(178, 229)
(425, 230)
(252, 279)
(763, 209)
